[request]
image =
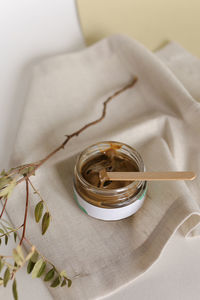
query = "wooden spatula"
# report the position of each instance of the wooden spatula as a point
(150, 176)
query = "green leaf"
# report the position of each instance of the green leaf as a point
(30, 266)
(20, 252)
(49, 275)
(6, 277)
(3, 173)
(1, 231)
(56, 282)
(38, 211)
(38, 268)
(6, 239)
(4, 181)
(1, 281)
(15, 236)
(69, 282)
(42, 269)
(26, 170)
(63, 273)
(14, 289)
(64, 282)
(1, 264)
(9, 228)
(30, 254)
(5, 229)
(18, 255)
(34, 257)
(6, 191)
(17, 258)
(45, 222)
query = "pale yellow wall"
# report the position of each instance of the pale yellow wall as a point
(152, 22)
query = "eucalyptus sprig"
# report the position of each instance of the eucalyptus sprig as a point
(37, 264)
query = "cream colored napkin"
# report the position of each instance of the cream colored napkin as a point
(158, 117)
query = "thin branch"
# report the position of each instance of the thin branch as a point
(14, 230)
(76, 133)
(4, 206)
(36, 192)
(26, 211)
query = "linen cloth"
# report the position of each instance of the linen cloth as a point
(158, 117)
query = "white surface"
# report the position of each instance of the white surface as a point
(28, 30)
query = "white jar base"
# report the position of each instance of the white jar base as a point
(109, 214)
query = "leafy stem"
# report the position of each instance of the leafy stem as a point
(10, 231)
(37, 192)
(8, 181)
(26, 211)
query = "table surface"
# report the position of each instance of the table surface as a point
(25, 39)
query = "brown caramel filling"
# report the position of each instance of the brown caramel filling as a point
(94, 170)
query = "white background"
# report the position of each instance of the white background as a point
(30, 30)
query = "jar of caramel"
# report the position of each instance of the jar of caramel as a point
(99, 197)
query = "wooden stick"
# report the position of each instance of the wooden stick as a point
(150, 176)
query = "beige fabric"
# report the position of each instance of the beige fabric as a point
(158, 117)
(184, 65)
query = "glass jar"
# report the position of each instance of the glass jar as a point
(109, 204)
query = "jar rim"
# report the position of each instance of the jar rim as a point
(109, 191)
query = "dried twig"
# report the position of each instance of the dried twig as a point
(4, 206)
(26, 211)
(8, 180)
(76, 133)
